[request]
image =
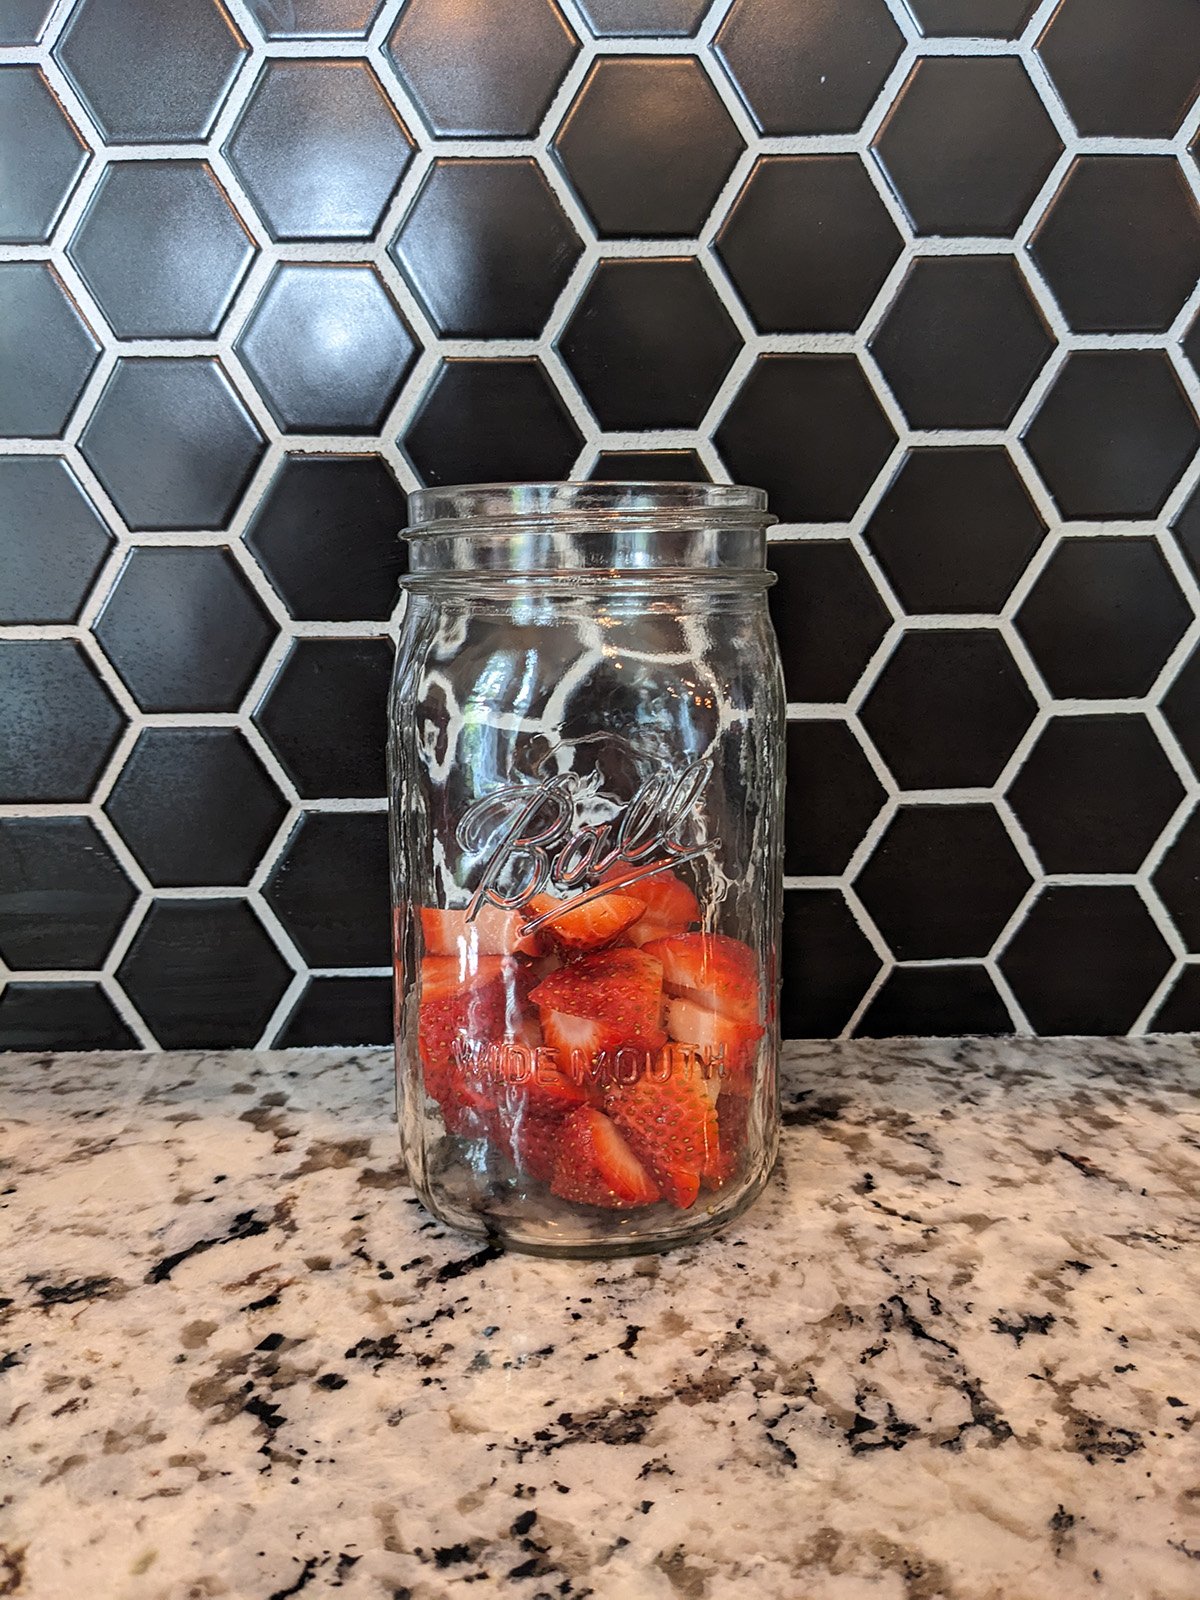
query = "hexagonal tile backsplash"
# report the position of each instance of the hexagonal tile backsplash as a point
(924, 269)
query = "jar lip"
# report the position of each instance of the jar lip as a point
(600, 504)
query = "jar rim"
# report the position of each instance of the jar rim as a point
(602, 504)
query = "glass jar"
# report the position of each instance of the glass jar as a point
(586, 770)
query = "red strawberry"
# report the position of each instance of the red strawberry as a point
(588, 926)
(531, 1141)
(671, 1127)
(596, 1167)
(621, 988)
(671, 907)
(491, 932)
(591, 1037)
(459, 1000)
(724, 1037)
(733, 1115)
(712, 969)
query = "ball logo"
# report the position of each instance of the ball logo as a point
(531, 838)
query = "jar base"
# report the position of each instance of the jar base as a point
(533, 1235)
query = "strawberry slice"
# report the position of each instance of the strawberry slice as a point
(470, 1003)
(672, 1128)
(491, 932)
(621, 988)
(689, 1023)
(596, 1167)
(590, 1035)
(733, 1116)
(671, 907)
(531, 1140)
(715, 971)
(589, 926)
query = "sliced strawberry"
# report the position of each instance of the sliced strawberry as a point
(466, 1119)
(671, 907)
(712, 969)
(530, 1140)
(733, 1115)
(588, 926)
(466, 1007)
(621, 988)
(587, 1034)
(672, 1128)
(596, 1167)
(457, 999)
(725, 1038)
(491, 932)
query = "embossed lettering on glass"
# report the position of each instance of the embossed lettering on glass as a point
(586, 782)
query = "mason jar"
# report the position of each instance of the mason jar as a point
(586, 759)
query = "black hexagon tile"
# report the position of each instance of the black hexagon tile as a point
(967, 145)
(319, 149)
(204, 974)
(22, 21)
(172, 442)
(327, 535)
(53, 539)
(1120, 244)
(184, 629)
(327, 348)
(636, 466)
(649, 343)
(491, 421)
(1094, 793)
(1179, 1012)
(63, 894)
(151, 73)
(58, 723)
(347, 1012)
(41, 156)
(192, 254)
(1103, 617)
(314, 19)
(47, 351)
(1086, 960)
(808, 243)
(1124, 66)
(1181, 707)
(827, 614)
(827, 962)
(487, 247)
(648, 145)
(61, 1016)
(196, 806)
(810, 430)
(932, 1002)
(647, 18)
(480, 70)
(955, 529)
(948, 709)
(987, 19)
(833, 796)
(943, 881)
(1113, 434)
(1178, 881)
(330, 889)
(324, 715)
(809, 69)
(962, 342)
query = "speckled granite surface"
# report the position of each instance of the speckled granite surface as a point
(953, 1353)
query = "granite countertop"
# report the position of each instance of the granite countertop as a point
(952, 1354)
